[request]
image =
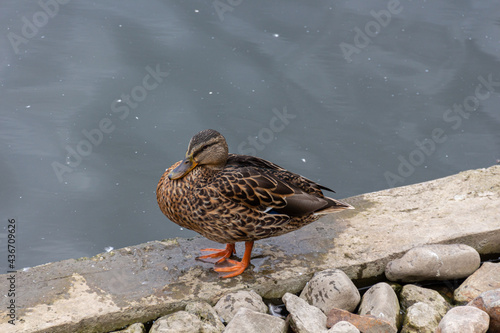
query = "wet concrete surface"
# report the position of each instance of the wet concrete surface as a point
(140, 283)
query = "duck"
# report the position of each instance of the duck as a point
(230, 198)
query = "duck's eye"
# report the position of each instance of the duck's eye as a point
(204, 147)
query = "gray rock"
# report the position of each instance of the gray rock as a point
(381, 302)
(249, 321)
(211, 323)
(411, 294)
(464, 319)
(230, 303)
(304, 318)
(421, 318)
(343, 327)
(134, 328)
(484, 279)
(434, 262)
(329, 289)
(177, 322)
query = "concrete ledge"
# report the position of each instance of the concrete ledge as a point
(140, 283)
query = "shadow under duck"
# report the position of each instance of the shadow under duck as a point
(231, 198)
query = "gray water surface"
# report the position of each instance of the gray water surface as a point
(99, 98)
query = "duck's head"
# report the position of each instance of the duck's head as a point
(208, 148)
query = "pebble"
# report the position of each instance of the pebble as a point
(464, 319)
(434, 262)
(329, 289)
(210, 320)
(366, 324)
(230, 303)
(489, 302)
(177, 322)
(304, 318)
(484, 279)
(134, 328)
(381, 302)
(249, 321)
(411, 294)
(421, 318)
(343, 327)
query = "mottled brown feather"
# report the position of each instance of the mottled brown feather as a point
(230, 205)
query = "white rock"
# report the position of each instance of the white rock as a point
(249, 321)
(134, 328)
(434, 262)
(211, 322)
(230, 303)
(421, 318)
(178, 322)
(343, 327)
(304, 318)
(464, 319)
(411, 294)
(381, 302)
(329, 289)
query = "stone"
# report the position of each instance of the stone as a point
(134, 328)
(489, 302)
(211, 322)
(484, 279)
(230, 303)
(421, 318)
(366, 324)
(343, 327)
(464, 319)
(304, 318)
(411, 294)
(249, 321)
(329, 289)
(381, 302)
(177, 322)
(434, 262)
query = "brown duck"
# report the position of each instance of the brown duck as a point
(231, 198)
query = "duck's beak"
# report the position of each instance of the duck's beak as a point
(184, 168)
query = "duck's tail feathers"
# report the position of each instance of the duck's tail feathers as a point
(333, 207)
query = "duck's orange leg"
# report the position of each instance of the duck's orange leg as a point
(218, 253)
(238, 267)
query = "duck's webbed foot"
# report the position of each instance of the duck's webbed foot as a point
(236, 267)
(218, 253)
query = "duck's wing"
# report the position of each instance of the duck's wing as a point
(240, 161)
(309, 186)
(266, 187)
